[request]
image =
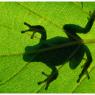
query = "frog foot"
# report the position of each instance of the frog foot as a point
(91, 15)
(82, 73)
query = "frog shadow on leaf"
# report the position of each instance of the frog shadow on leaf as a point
(59, 56)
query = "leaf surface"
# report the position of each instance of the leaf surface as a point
(16, 75)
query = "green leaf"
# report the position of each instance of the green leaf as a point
(17, 75)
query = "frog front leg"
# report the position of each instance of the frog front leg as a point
(50, 78)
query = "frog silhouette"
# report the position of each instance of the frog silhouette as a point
(72, 53)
